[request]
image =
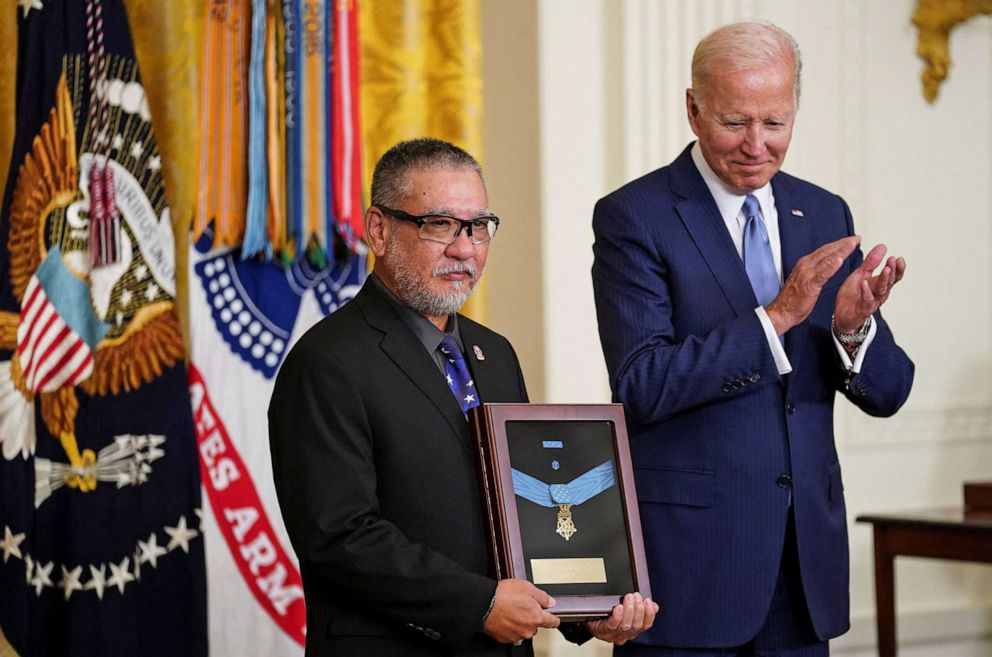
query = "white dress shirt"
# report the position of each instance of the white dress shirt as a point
(731, 205)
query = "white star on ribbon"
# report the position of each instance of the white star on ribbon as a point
(450, 380)
(179, 536)
(470, 383)
(70, 580)
(10, 543)
(151, 291)
(118, 141)
(42, 577)
(120, 574)
(469, 399)
(151, 550)
(28, 5)
(98, 580)
(155, 163)
(137, 150)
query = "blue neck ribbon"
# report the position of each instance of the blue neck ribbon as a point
(582, 488)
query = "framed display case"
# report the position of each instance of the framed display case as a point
(561, 509)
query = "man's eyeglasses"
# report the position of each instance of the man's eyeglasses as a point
(445, 230)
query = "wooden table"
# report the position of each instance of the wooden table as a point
(936, 534)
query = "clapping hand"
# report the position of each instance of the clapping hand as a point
(863, 293)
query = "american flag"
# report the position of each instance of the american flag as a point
(58, 329)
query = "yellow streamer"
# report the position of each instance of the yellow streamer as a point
(422, 77)
(168, 40)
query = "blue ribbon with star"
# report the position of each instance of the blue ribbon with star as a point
(579, 490)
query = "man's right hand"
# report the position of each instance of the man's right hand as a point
(518, 611)
(801, 290)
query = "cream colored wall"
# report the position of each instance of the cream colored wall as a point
(591, 94)
(513, 176)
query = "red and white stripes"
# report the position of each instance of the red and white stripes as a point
(50, 353)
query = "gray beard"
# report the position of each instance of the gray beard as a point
(421, 299)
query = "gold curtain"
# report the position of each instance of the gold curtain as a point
(8, 85)
(422, 77)
(168, 38)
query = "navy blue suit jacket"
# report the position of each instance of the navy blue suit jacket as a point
(713, 425)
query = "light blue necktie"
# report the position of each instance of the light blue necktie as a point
(757, 254)
(456, 371)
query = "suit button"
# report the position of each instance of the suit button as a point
(784, 481)
(755, 377)
(790, 408)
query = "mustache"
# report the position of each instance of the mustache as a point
(455, 268)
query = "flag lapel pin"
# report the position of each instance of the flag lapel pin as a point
(478, 352)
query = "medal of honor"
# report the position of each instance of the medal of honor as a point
(564, 496)
(565, 525)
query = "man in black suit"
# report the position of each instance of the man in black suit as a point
(371, 454)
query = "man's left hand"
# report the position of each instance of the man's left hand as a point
(633, 616)
(862, 293)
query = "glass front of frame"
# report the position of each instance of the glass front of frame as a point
(569, 506)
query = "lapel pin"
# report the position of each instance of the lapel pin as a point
(478, 352)
(797, 213)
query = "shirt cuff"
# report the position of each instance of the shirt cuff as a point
(778, 351)
(859, 357)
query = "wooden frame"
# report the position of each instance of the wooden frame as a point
(590, 573)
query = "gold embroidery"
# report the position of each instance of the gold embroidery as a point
(141, 358)
(47, 181)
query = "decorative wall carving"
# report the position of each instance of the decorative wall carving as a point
(935, 19)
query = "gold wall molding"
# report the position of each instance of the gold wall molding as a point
(934, 19)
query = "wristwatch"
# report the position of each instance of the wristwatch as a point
(851, 339)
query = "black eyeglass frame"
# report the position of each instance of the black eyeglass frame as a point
(464, 224)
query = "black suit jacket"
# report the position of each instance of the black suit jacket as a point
(375, 476)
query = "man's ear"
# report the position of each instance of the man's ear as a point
(692, 109)
(376, 230)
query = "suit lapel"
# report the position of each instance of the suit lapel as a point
(402, 347)
(794, 223)
(701, 217)
(482, 369)
(795, 229)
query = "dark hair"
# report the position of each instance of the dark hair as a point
(390, 180)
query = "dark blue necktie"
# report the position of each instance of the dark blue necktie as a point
(456, 371)
(757, 254)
